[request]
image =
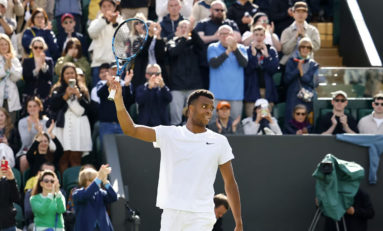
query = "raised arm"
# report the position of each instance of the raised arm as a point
(127, 125)
(232, 191)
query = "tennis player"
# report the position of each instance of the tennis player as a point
(190, 157)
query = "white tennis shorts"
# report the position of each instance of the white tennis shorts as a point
(178, 220)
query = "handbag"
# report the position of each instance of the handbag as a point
(305, 94)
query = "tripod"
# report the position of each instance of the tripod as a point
(133, 217)
(317, 216)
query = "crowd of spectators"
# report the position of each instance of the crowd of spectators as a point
(56, 65)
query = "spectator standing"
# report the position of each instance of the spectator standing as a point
(242, 12)
(73, 7)
(281, 14)
(107, 114)
(227, 61)
(170, 22)
(9, 194)
(68, 32)
(10, 73)
(224, 124)
(263, 63)
(69, 104)
(299, 75)
(271, 38)
(262, 122)
(40, 153)
(47, 202)
(185, 76)
(208, 31)
(101, 32)
(153, 98)
(91, 199)
(372, 123)
(37, 71)
(7, 24)
(39, 26)
(29, 127)
(299, 123)
(73, 53)
(153, 52)
(129, 8)
(298, 30)
(337, 121)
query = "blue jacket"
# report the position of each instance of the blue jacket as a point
(49, 38)
(291, 79)
(269, 67)
(169, 27)
(375, 148)
(90, 207)
(153, 105)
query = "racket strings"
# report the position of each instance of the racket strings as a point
(129, 39)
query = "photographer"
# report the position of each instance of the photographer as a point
(9, 194)
(69, 104)
(263, 63)
(299, 78)
(262, 122)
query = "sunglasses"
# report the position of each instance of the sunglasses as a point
(377, 104)
(46, 181)
(308, 47)
(38, 48)
(300, 113)
(219, 10)
(340, 100)
(153, 73)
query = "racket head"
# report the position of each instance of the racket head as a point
(129, 38)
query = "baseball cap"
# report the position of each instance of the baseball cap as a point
(4, 3)
(222, 104)
(260, 102)
(340, 92)
(66, 15)
(300, 6)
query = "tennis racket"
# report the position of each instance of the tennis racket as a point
(128, 41)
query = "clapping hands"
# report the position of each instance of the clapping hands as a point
(103, 173)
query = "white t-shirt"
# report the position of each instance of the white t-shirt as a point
(189, 164)
(378, 121)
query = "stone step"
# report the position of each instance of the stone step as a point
(329, 61)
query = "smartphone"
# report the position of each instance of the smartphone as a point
(4, 164)
(72, 82)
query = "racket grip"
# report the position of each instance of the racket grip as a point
(112, 92)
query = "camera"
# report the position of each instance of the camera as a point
(325, 167)
(72, 82)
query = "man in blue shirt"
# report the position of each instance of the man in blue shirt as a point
(227, 60)
(208, 31)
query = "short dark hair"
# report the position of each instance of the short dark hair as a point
(105, 66)
(197, 93)
(221, 199)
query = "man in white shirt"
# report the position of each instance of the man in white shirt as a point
(190, 157)
(372, 123)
